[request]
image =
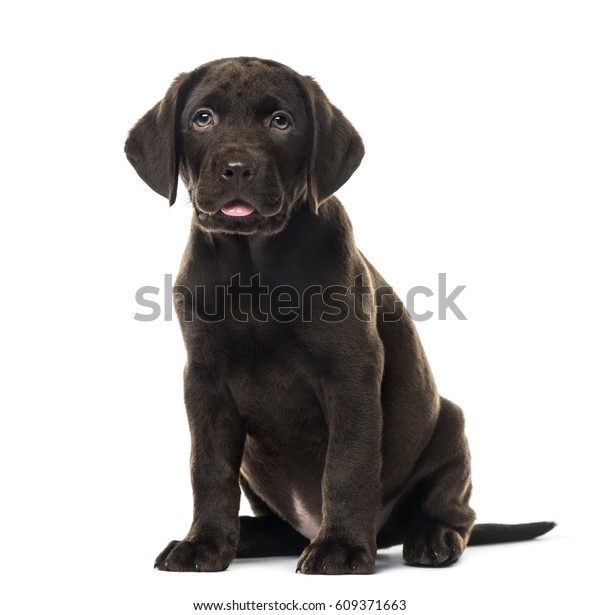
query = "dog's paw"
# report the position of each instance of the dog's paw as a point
(336, 557)
(195, 556)
(435, 545)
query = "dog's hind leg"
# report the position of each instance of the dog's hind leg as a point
(266, 534)
(434, 520)
(440, 530)
(442, 524)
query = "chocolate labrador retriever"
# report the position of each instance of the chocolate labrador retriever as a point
(305, 383)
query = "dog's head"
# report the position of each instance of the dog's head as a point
(251, 139)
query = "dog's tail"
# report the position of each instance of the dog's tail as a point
(488, 533)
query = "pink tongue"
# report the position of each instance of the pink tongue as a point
(237, 209)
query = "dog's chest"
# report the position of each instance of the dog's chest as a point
(276, 393)
(257, 360)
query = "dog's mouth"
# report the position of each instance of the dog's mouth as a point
(237, 209)
(241, 217)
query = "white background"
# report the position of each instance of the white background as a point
(482, 131)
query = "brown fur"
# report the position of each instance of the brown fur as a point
(335, 420)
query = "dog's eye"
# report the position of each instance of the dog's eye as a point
(281, 121)
(202, 119)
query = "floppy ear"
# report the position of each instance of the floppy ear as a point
(336, 147)
(153, 143)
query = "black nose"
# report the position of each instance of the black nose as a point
(238, 168)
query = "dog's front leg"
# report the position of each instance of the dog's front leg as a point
(351, 481)
(217, 445)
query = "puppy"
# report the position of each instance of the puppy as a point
(305, 385)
